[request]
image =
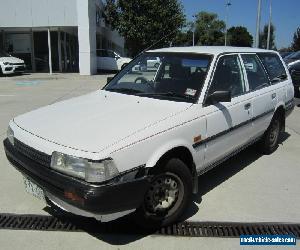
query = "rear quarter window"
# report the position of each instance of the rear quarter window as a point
(274, 67)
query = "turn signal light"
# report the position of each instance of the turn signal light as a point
(73, 197)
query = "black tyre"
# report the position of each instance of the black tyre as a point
(168, 196)
(269, 142)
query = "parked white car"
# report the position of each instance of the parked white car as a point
(110, 60)
(153, 62)
(139, 144)
(10, 64)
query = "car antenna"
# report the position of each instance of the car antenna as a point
(152, 45)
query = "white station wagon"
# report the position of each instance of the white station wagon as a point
(140, 143)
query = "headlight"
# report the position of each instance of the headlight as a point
(84, 169)
(7, 63)
(10, 135)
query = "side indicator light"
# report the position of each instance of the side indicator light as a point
(197, 139)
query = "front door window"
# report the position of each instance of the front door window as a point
(228, 76)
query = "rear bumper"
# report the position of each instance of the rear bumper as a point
(92, 200)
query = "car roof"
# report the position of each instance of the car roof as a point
(214, 50)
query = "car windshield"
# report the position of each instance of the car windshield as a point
(3, 54)
(172, 76)
(295, 55)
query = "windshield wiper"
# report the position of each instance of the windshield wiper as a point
(169, 94)
(125, 90)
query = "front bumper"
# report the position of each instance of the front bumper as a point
(11, 69)
(78, 196)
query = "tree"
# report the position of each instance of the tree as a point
(184, 37)
(144, 22)
(263, 37)
(209, 30)
(296, 40)
(239, 36)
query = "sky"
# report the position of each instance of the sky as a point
(285, 15)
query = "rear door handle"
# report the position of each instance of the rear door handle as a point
(273, 96)
(247, 106)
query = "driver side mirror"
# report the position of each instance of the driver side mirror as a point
(218, 96)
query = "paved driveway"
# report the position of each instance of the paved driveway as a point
(247, 188)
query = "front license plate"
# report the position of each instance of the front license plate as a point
(33, 189)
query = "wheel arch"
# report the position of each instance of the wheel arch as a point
(280, 111)
(181, 152)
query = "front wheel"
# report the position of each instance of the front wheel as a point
(269, 142)
(167, 197)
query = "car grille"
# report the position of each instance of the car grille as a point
(33, 154)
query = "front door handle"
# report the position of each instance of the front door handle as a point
(247, 106)
(273, 96)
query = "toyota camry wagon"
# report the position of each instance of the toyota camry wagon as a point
(139, 144)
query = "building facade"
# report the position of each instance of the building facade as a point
(55, 35)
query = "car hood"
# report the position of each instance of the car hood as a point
(11, 59)
(98, 120)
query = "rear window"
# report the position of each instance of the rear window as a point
(274, 66)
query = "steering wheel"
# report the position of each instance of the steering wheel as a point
(144, 81)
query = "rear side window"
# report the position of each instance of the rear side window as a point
(257, 77)
(273, 66)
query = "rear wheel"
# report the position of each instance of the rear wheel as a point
(269, 143)
(167, 197)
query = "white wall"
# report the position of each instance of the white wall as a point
(38, 13)
(86, 11)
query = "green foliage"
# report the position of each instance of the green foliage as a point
(144, 22)
(209, 30)
(296, 40)
(263, 36)
(184, 37)
(239, 36)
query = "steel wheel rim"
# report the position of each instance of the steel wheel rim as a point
(164, 195)
(274, 132)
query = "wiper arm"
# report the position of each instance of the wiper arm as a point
(125, 90)
(171, 94)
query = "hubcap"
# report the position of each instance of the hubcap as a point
(162, 194)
